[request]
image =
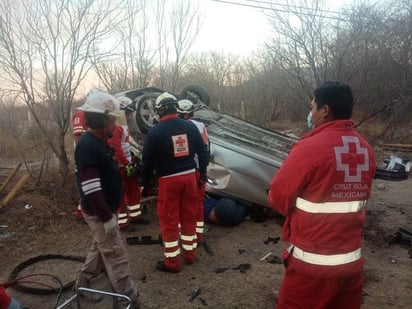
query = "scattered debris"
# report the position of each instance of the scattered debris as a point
(242, 267)
(143, 278)
(275, 260)
(398, 164)
(194, 295)
(274, 240)
(403, 236)
(3, 232)
(266, 256)
(381, 186)
(203, 301)
(207, 247)
(396, 169)
(144, 240)
(272, 258)
(221, 270)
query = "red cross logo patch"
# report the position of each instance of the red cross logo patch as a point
(180, 145)
(347, 158)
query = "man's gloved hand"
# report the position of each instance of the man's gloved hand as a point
(147, 191)
(202, 179)
(130, 169)
(111, 226)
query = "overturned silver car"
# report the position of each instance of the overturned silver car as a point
(243, 158)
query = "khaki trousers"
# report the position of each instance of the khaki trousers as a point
(107, 254)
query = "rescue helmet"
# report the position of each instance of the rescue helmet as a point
(165, 99)
(125, 103)
(185, 106)
(102, 103)
(229, 212)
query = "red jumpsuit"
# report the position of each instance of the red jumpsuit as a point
(79, 128)
(129, 209)
(169, 148)
(201, 192)
(322, 188)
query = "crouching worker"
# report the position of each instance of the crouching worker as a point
(99, 182)
(224, 211)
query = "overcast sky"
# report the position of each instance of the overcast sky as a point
(237, 29)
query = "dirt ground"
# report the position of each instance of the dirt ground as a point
(234, 276)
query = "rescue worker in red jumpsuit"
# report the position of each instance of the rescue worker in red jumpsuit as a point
(129, 210)
(322, 188)
(185, 109)
(169, 148)
(79, 128)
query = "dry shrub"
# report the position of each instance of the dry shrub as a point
(42, 205)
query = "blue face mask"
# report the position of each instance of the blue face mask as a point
(309, 121)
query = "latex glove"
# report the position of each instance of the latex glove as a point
(130, 170)
(202, 179)
(111, 226)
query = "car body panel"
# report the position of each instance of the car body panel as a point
(243, 156)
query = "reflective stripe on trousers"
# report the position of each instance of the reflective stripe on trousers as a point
(330, 207)
(122, 218)
(171, 249)
(326, 260)
(187, 241)
(134, 211)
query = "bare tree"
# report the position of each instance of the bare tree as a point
(304, 44)
(382, 54)
(185, 23)
(132, 62)
(46, 48)
(177, 27)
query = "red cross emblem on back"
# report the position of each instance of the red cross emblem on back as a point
(180, 145)
(347, 159)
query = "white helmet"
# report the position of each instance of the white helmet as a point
(164, 99)
(102, 103)
(185, 106)
(125, 103)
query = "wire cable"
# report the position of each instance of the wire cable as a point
(284, 10)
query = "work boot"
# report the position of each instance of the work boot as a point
(160, 265)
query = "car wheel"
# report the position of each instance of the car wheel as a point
(146, 116)
(195, 93)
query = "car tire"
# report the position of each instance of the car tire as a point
(390, 175)
(146, 116)
(196, 93)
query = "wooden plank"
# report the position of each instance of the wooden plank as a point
(403, 146)
(10, 177)
(15, 190)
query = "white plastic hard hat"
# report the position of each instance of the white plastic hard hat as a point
(102, 103)
(165, 98)
(185, 106)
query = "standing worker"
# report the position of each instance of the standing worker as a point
(79, 128)
(185, 109)
(169, 148)
(322, 188)
(100, 187)
(129, 210)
